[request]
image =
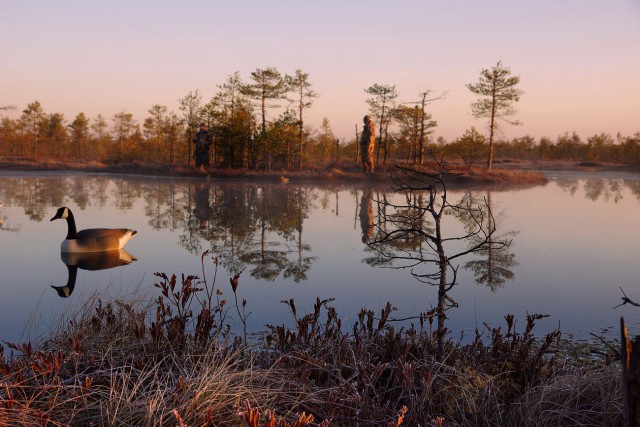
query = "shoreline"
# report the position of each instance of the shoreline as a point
(505, 171)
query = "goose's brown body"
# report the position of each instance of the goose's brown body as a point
(91, 239)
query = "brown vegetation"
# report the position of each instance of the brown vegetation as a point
(179, 361)
(521, 176)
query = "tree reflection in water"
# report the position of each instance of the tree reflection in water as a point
(412, 235)
(249, 226)
(607, 189)
(494, 266)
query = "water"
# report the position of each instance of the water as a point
(575, 243)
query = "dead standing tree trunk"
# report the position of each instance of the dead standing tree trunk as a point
(405, 230)
(630, 377)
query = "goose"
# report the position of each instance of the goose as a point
(90, 261)
(91, 239)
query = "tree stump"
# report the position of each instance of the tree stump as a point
(630, 377)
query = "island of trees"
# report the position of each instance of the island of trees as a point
(259, 124)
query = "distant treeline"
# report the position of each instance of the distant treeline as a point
(247, 137)
(471, 148)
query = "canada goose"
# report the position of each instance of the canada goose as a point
(90, 261)
(91, 239)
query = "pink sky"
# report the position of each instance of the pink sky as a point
(579, 60)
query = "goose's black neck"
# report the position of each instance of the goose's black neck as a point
(66, 291)
(73, 273)
(72, 233)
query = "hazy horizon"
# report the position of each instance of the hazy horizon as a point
(578, 59)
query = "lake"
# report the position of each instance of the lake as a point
(574, 243)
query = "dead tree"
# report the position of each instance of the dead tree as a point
(630, 370)
(630, 376)
(410, 235)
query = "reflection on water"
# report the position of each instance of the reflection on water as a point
(250, 227)
(90, 261)
(316, 235)
(492, 266)
(257, 228)
(366, 215)
(607, 190)
(4, 225)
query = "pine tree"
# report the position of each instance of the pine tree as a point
(497, 87)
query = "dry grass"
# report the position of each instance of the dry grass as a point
(584, 396)
(99, 370)
(176, 362)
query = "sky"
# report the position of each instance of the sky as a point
(578, 60)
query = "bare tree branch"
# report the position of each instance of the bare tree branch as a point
(410, 235)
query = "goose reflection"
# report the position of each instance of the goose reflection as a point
(90, 261)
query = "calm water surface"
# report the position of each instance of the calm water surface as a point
(575, 242)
